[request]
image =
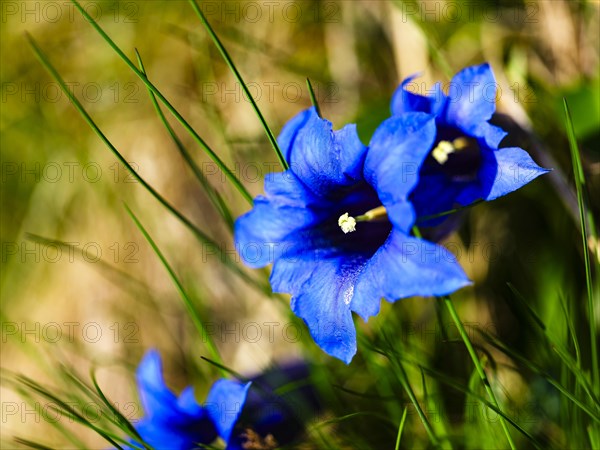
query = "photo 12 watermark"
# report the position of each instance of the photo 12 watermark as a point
(442, 11)
(268, 91)
(251, 332)
(88, 92)
(472, 92)
(68, 412)
(52, 252)
(53, 172)
(236, 12)
(56, 11)
(69, 332)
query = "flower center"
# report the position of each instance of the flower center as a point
(459, 157)
(445, 148)
(348, 223)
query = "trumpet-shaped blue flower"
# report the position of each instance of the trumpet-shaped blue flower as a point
(465, 162)
(337, 225)
(180, 423)
(271, 419)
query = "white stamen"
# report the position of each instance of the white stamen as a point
(441, 152)
(347, 223)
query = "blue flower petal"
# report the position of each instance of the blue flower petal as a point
(187, 402)
(404, 100)
(491, 134)
(322, 301)
(502, 172)
(224, 403)
(472, 101)
(163, 437)
(397, 150)
(169, 422)
(324, 159)
(404, 267)
(286, 188)
(156, 397)
(288, 134)
(261, 234)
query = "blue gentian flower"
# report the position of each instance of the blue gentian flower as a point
(180, 423)
(465, 163)
(337, 225)
(271, 419)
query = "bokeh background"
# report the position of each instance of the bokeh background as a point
(102, 298)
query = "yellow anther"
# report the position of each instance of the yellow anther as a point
(445, 148)
(441, 152)
(347, 223)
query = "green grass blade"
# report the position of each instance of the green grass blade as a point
(69, 411)
(31, 444)
(111, 271)
(579, 184)
(478, 366)
(402, 376)
(203, 237)
(572, 333)
(449, 212)
(212, 348)
(313, 97)
(401, 428)
(238, 76)
(524, 306)
(31, 400)
(222, 166)
(458, 386)
(566, 358)
(213, 195)
(119, 418)
(526, 362)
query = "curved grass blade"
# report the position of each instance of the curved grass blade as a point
(449, 212)
(204, 238)
(31, 444)
(401, 428)
(96, 394)
(64, 408)
(473, 354)
(382, 398)
(526, 362)
(572, 334)
(29, 398)
(534, 318)
(457, 385)
(580, 186)
(119, 418)
(238, 76)
(566, 358)
(211, 192)
(313, 97)
(404, 381)
(222, 166)
(101, 263)
(478, 366)
(212, 348)
(283, 58)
